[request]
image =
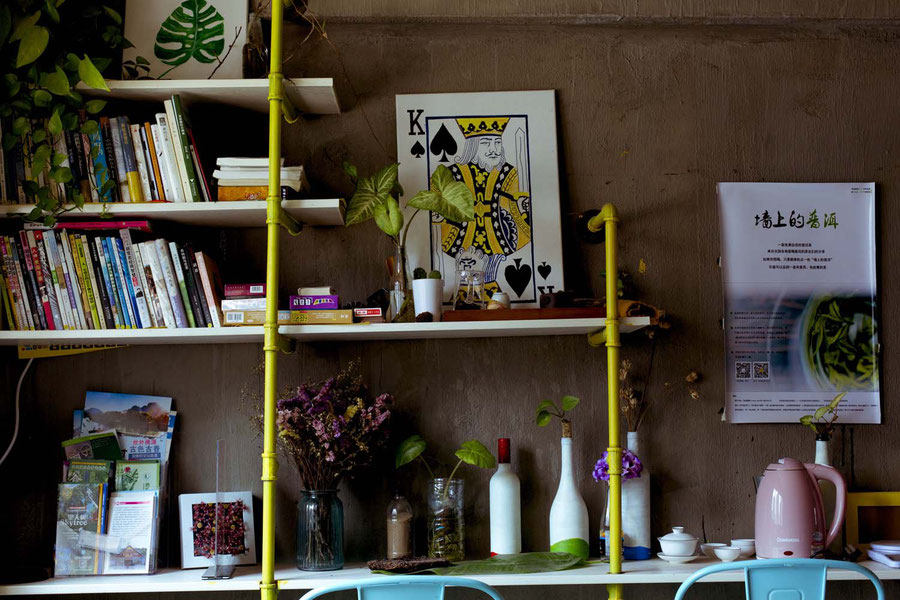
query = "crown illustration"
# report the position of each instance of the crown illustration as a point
(476, 126)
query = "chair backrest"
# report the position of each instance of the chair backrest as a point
(403, 587)
(783, 579)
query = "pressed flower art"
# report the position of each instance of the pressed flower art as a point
(631, 466)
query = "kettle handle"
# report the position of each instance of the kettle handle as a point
(817, 472)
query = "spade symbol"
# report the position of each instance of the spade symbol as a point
(518, 276)
(443, 143)
(417, 150)
(544, 269)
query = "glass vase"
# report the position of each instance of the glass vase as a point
(320, 531)
(401, 309)
(446, 527)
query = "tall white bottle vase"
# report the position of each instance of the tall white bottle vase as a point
(829, 497)
(636, 508)
(505, 502)
(568, 513)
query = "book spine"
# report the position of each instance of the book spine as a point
(107, 294)
(147, 153)
(115, 304)
(132, 175)
(112, 161)
(18, 282)
(103, 314)
(78, 275)
(65, 298)
(171, 163)
(153, 161)
(182, 284)
(141, 158)
(321, 317)
(115, 136)
(37, 306)
(198, 285)
(137, 284)
(165, 175)
(168, 271)
(15, 317)
(118, 249)
(89, 157)
(60, 149)
(48, 270)
(148, 251)
(76, 294)
(115, 278)
(102, 191)
(28, 295)
(193, 295)
(314, 302)
(245, 290)
(43, 285)
(203, 184)
(76, 147)
(209, 289)
(68, 139)
(153, 302)
(181, 143)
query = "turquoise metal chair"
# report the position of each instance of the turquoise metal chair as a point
(404, 587)
(783, 579)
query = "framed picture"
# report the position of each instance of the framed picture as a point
(502, 145)
(184, 39)
(236, 545)
(872, 516)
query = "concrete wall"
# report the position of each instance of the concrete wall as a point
(651, 115)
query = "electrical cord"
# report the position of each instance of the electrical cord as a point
(16, 427)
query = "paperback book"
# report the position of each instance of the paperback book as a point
(81, 507)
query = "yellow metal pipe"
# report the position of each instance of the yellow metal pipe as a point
(273, 342)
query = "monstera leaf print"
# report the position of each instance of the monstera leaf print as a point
(194, 30)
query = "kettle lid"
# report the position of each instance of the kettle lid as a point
(786, 464)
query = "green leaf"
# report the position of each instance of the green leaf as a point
(49, 221)
(449, 198)
(143, 61)
(70, 121)
(61, 174)
(806, 419)
(543, 418)
(35, 214)
(349, 169)
(546, 405)
(194, 30)
(20, 125)
(78, 199)
(409, 450)
(370, 192)
(58, 159)
(113, 15)
(57, 82)
(72, 62)
(32, 45)
(388, 216)
(55, 123)
(5, 22)
(94, 106)
(9, 141)
(90, 75)
(820, 412)
(837, 400)
(474, 453)
(385, 179)
(40, 158)
(50, 9)
(89, 127)
(24, 25)
(41, 97)
(12, 84)
(569, 402)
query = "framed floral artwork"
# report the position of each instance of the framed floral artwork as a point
(236, 538)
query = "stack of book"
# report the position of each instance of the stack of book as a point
(245, 304)
(93, 275)
(248, 179)
(113, 160)
(113, 485)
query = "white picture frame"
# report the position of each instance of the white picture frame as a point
(189, 558)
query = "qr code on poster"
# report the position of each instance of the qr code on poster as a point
(742, 370)
(761, 371)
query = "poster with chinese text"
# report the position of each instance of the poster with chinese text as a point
(798, 270)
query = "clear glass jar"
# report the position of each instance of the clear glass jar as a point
(399, 528)
(401, 308)
(446, 527)
(320, 531)
(470, 294)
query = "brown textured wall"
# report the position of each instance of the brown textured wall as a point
(650, 117)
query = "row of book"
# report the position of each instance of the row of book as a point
(116, 161)
(245, 304)
(110, 500)
(72, 278)
(248, 179)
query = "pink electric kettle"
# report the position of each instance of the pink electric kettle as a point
(789, 510)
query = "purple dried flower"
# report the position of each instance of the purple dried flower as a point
(631, 466)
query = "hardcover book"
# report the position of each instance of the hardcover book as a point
(87, 471)
(81, 507)
(134, 475)
(321, 317)
(254, 317)
(245, 290)
(315, 302)
(244, 304)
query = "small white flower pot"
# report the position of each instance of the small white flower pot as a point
(427, 296)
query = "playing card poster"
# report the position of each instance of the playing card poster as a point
(798, 268)
(502, 145)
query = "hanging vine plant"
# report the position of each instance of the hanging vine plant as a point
(47, 48)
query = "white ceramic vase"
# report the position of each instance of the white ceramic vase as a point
(636, 508)
(427, 296)
(568, 513)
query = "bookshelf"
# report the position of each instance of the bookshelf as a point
(310, 95)
(361, 332)
(244, 213)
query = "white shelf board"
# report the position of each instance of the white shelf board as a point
(244, 213)
(317, 333)
(455, 329)
(653, 571)
(311, 95)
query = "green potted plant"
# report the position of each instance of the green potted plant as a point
(428, 291)
(822, 422)
(44, 49)
(446, 527)
(377, 197)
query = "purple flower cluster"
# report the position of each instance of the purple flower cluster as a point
(331, 428)
(631, 466)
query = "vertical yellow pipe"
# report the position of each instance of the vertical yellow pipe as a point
(608, 219)
(271, 345)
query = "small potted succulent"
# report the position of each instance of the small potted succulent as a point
(428, 289)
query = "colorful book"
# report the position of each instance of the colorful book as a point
(153, 161)
(321, 317)
(134, 475)
(104, 444)
(101, 310)
(138, 285)
(87, 471)
(245, 290)
(177, 154)
(45, 279)
(179, 127)
(91, 225)
(233, 193)
(81, 508)
(76, 288)
(141, 157)
(121, 169)
(119, 304)
(126, 278)
(132, 525)
(191, 258)
(113, 161)
(168, 271)
(181, 282)
(153, 299)
(185, 271)
(29, 281)
(59, 282)
(132, 176)
(165, 155)
(202, 182)
(328, 302)
(212, 285)
(144, 447)
(160, 291)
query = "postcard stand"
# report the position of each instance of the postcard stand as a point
(223, 565)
